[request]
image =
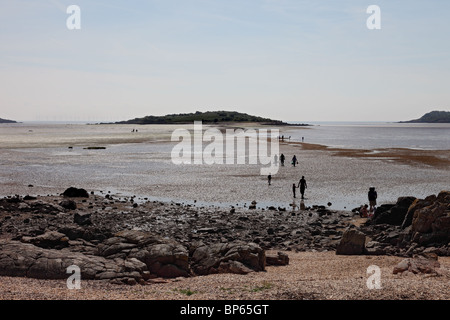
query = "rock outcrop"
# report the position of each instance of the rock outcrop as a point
(425, 226)
(235, 257)
(352, 243)
(28, 260)
(419, 264)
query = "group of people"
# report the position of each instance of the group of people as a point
(366, 211)
(302, 183)
(294, 160)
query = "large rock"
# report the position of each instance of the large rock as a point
(416, 205)
(431, 221)
(418, 264)
(50, 239)
(27, 260)
(82, 219)
(234, 257)
(278, 259)
(68, 204)
(352, 243)
(395, 214)
(163, 257)
(73, 192)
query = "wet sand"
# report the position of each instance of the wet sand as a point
(439, 159)
(140, 164)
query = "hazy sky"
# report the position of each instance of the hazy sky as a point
(290, 60)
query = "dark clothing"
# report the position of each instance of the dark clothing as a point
(282, 159)
(294, 160)
(293, 189)
(302, 185)
(372, 199)
(372, 195)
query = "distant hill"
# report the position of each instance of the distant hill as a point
(205, 117)
(432, 117)
(7, 121)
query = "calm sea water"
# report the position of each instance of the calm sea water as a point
(370, 135)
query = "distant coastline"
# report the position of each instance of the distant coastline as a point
(432, 117)
(7, 121)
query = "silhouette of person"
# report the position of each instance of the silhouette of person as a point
(294, 160)
(372, 195)
(302, 185)
(269, 178)
(293, 189)
(282, 159)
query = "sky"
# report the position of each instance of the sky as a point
(289, 60)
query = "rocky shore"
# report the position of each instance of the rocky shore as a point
(131, 240)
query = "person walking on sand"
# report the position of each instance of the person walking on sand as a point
(302, 185)
(293, 189)
(269, 178)
(294, 160)
(372, 195)
(282, 159)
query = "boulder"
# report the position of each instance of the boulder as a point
(82, 219)
(352, 243)
(394, 215)
(164, 257)
(73, 192)
(68, 204)
(431, 220)
(50, 239)
(278, 259)
(418, 264)
(222, 257)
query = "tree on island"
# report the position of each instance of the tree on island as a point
(205, 117)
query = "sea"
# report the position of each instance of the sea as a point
(375, 135)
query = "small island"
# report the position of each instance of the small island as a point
(205, 117)
(432, 117)
(7, 121)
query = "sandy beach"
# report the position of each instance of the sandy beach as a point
(309, 276)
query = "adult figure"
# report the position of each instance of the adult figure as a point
(282, 159)
(302, 185)
(372, 195)
(294, 160)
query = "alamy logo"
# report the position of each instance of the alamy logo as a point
(73, 22)
(374, 21)
(236, 146)
(374, 281)
(74, 281)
